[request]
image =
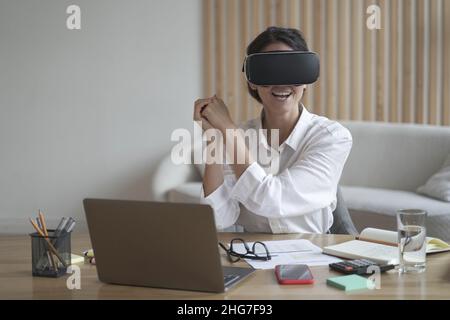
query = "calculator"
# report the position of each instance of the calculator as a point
(358, 266)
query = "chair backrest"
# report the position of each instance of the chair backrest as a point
(394, 156)
(342, 222)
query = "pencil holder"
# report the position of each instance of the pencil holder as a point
(45, 261)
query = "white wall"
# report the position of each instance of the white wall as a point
(90, 112)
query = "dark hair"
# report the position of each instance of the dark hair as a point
(291, 37)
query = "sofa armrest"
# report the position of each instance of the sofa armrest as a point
(169, 175)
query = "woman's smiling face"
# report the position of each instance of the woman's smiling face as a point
(284, 97)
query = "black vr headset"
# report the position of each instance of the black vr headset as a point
(282, 68)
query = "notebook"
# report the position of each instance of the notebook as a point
(379, 246)
(76, 259)
(350, 282)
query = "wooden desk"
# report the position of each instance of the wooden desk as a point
(17, 283)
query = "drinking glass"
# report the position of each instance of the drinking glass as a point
(412, 241)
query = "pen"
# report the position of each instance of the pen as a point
(61, 226)
(71, 226)
(58, 230)
(67, 228)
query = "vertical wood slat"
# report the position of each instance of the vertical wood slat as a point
(306, 26)
(231, 54)
(322, 107)
(256, 29)
(357, 49)
(439, 60)
(256, 23)
(281, 13)
(207, 38)
(385, 90)
(381, 78)
(344, 59)
(374, 70)
(393, 66)
(332, 66)
(407, 61)
(400, 73)
(243, 23)
(293, 13)
(421, 61)
(219, 48)
(317, 87)
(434, 56)
(446, 85)
(412, 92)
(296, 19)
(367, 49)
(268, 9)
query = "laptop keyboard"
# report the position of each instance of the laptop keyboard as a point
(229, 278)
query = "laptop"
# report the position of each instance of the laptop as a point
(158, 244)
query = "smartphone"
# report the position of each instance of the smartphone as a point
(293, 274)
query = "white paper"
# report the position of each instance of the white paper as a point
(289, 252)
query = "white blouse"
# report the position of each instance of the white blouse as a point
(301, 196)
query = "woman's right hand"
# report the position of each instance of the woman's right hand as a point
(198, 107)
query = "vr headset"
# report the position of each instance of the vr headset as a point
(282, 68)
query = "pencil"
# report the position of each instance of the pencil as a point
(44, 225)
(44, 229)
(377, 241)
(49, 256)
(39, 228)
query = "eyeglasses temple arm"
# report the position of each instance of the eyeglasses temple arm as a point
(223, 247)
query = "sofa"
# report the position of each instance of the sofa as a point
(387, 164)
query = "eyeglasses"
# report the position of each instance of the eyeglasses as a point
(239, 249)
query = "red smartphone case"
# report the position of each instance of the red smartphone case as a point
(292, 281)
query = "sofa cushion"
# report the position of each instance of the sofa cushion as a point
(394, 156)
(438, 186)
(374, 207)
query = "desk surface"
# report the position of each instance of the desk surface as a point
(17, 282)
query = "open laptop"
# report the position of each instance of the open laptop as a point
(158, 244)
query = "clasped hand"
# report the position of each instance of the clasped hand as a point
(213, 114)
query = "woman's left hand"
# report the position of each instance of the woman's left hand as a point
(217, 114)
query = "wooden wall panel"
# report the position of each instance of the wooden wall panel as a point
(400, 73)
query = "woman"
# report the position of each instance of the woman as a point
(301, 196)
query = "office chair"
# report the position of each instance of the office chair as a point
(342, 223)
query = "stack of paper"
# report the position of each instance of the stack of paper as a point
(299, 251)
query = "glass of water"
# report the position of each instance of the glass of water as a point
(412, 240)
